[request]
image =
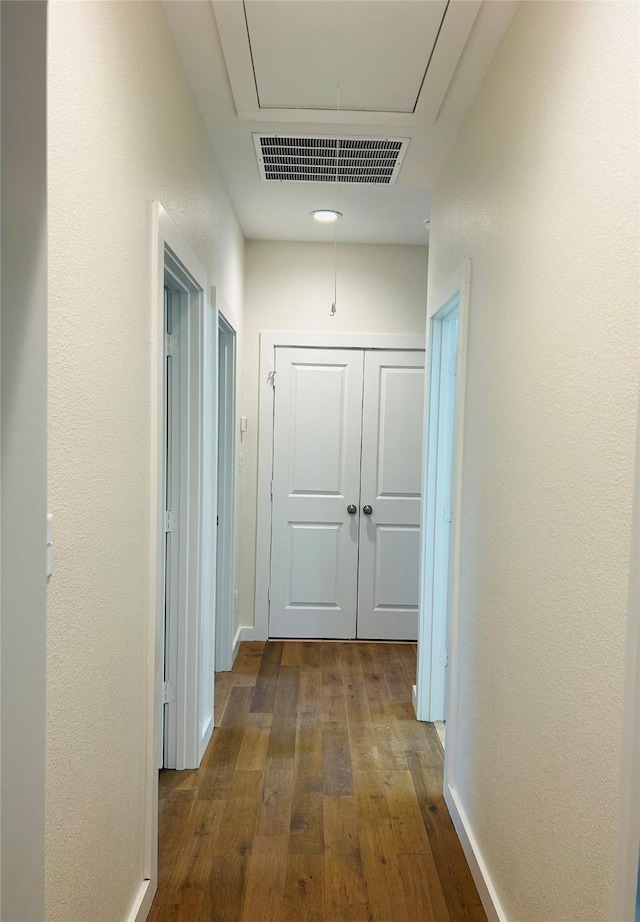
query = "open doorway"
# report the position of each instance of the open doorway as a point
(182, 554)
(442, 392)
(225, 557)
(189, 504)
(441, 502)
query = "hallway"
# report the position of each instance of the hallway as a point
(319, 798)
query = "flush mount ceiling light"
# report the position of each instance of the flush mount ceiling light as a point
(326, 215)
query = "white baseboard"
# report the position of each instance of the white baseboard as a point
(250, 633)
(236, 644)
(206, 737)
(142, 903)
(477, 866)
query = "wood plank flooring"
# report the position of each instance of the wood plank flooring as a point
(319, 798)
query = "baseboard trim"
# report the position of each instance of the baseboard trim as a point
(414, 699)
(477, 866)
(236, 645)
(206, 738)
(250, 633)
(142, 904)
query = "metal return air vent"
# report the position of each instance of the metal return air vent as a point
(286, 158)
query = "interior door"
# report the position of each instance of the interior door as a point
(446, 473)
(172, 424)
(390, 495)
(315, 492)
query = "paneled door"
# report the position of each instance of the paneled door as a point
(316, 482)
(388, 582)
(346, 493)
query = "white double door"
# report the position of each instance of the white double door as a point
(345, 537)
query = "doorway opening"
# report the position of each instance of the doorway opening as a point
(189, 504)
(182, 553)
(447, 332)
(225, 582)
(441, 432)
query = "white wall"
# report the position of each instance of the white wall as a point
(541, 192)
(23, 464)
(289, 286)
(124, 130)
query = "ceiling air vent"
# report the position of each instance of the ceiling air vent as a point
(287, 158)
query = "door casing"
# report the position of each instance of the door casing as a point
(268, 343)
(226, 509)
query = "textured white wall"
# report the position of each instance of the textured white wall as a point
(541, 192)
(289, 286)
(124, 130)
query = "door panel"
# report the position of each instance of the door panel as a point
(316, 474)
(316, 584)
(173, 485)
(399, 439)
(393, 543)
(317, 429)
(390, 484)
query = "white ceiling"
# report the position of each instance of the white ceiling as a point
(381, 68)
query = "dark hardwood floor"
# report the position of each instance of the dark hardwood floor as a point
(319, 798)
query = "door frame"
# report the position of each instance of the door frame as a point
(436, 556)
(175, 468)
(226, 510)
(194, 631)
(269, 341)
(628, 873)
(23, 458)
(197, 724)
(457, 288)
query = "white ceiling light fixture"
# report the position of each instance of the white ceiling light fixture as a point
(326, 215)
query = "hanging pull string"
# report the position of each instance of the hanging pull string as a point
(335, 223)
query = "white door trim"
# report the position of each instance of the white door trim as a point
(268, 343)
(167, 237)
(227, 428)
(456, 287)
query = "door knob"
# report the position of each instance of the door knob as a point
(367, 510)
(351, 509)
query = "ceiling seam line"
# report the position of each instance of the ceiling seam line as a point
(253, 65)
(424, 76)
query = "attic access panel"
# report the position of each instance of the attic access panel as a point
(380, 51)
(318, 158)
(286, 59)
